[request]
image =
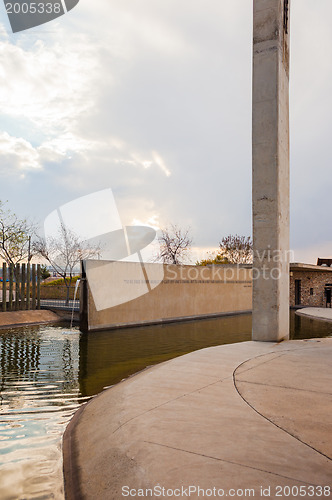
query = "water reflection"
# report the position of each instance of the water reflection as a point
(39, 393)
(302, 327)
(108, 357)
(19, 356)
(46, 372)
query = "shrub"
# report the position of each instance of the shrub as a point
(60, 281)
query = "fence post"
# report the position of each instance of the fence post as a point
(33, 286)
(28, 287)
(17, 287)
(4, 287)
(38, 285)
(11, 277)
(84, 297)
(23, 288)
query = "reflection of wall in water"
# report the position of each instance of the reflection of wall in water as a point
(106, 357)
(306, 328)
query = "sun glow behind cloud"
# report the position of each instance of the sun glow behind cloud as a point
(153, 99)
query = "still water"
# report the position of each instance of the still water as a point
(46, 372)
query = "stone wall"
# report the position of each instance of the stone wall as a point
(312, 286)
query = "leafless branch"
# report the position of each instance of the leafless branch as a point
(15, 237)
(236, 249)
(64, 252)
(175, 245)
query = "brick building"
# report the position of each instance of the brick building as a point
(310, 285)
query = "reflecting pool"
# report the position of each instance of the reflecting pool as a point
(46, 372)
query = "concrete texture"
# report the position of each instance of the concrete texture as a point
(270, 160)
(242, 416)
(117, 293)
(316, 313)
(20, 318)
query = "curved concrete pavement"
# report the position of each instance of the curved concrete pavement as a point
(322, 313)
(250, 416)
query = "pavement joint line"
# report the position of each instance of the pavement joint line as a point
(230, 377)
(274, 423)
(277, 355)
(171, 401)
(188, 372)
(147, 442)
(282, 387)
(218, 459)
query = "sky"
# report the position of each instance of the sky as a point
(152, 98)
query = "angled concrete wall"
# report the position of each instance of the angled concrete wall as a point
(270, 149)
(118, 294)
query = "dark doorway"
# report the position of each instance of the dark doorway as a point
(297, 292)
(328, 294)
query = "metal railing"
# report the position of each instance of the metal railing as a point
(60, 304)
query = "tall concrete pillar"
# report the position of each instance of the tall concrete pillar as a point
(270, 149)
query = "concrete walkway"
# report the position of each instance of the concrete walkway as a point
(21, 318)
(316, 312)
(250, 416)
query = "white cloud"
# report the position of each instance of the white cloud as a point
(17, 154)
(151, 221)
(123, 95)
(48, 86)
(160, 162)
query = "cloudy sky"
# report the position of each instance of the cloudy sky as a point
(152, 98)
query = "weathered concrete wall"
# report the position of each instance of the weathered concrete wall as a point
(270, 148)
(183, 292)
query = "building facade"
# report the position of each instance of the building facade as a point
(310, 285)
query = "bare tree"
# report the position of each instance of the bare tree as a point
(174, 245)
(15, 237)
(236, 249)
(64, 253)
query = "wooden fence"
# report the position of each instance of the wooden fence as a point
(20, 287)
